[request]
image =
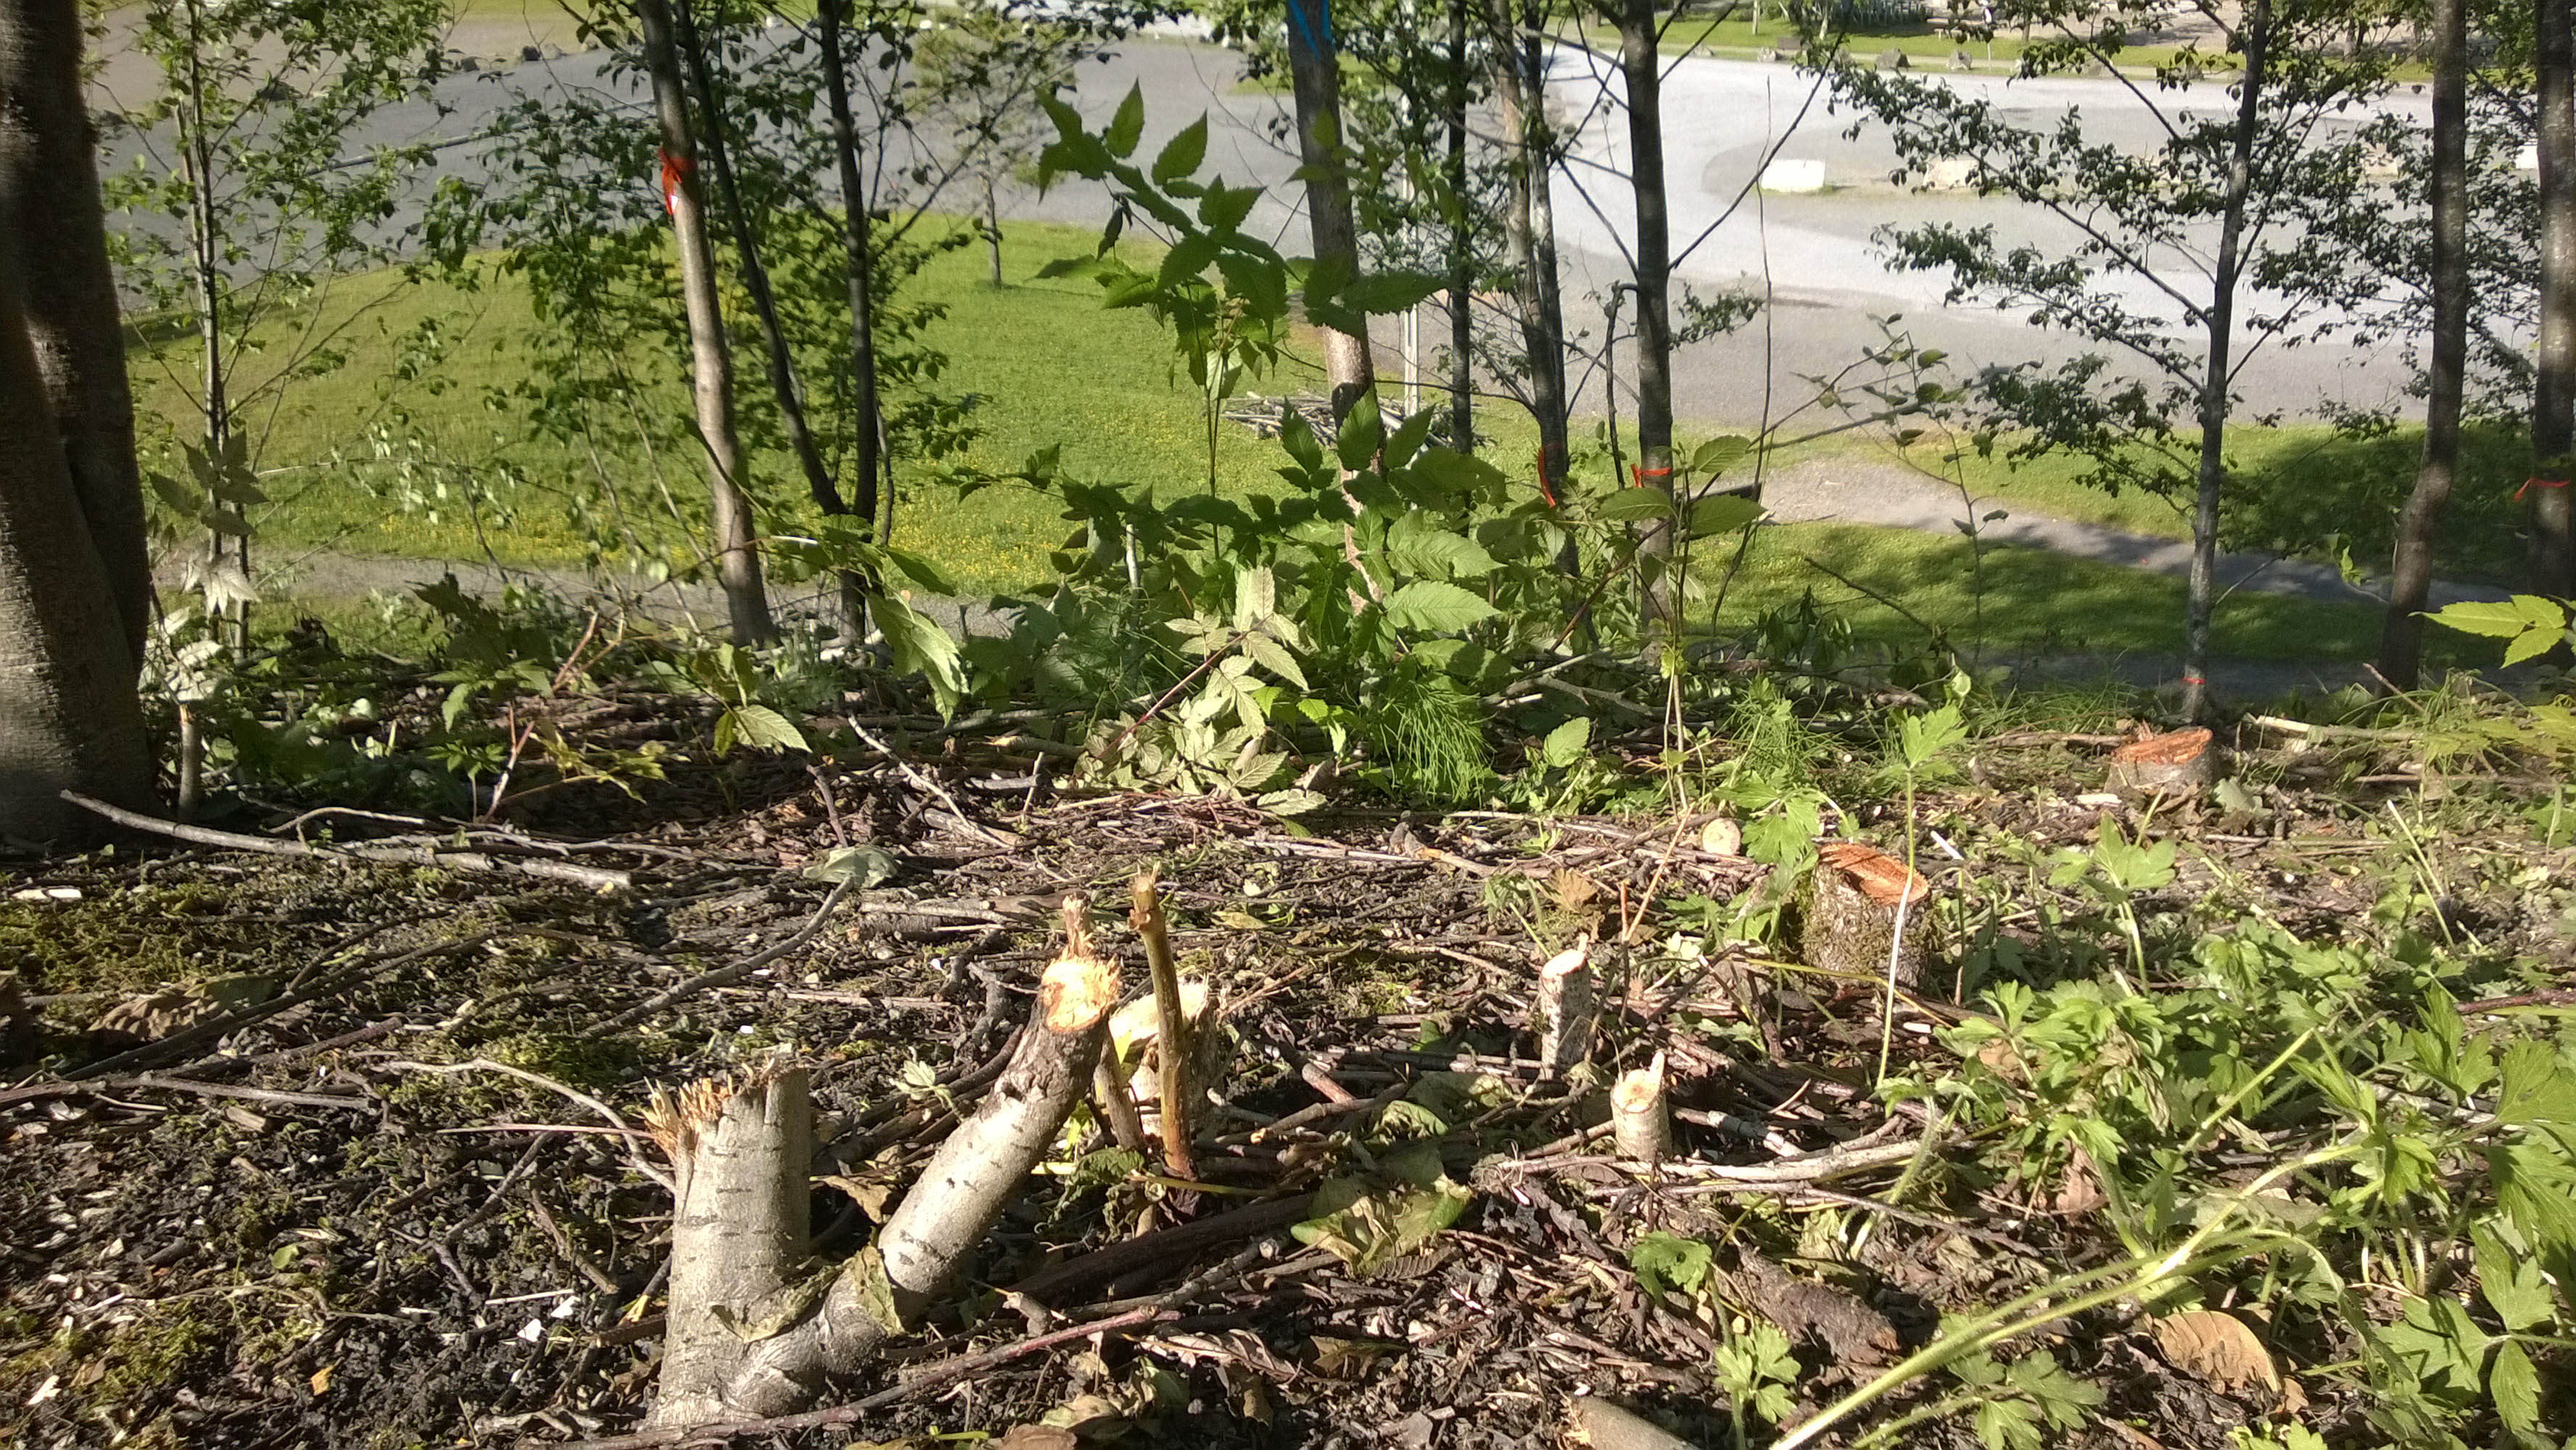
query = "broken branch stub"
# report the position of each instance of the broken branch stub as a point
(1564, 1010)
(2178, 763)
(1145, 914)
(1640, 1121)
(1853, 906)
(753, 1329)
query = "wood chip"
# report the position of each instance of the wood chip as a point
(1879, 876)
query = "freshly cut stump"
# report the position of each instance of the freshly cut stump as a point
(1852, 909)
(2176, 763)
(1640, 1120)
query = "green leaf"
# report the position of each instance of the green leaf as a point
(923, 572)
(2514, 1286)
(1363, 429)
(1186, 260)
(1383, 292)
(2515, 1386)
(1128, 126)
(1459, 475)
(860, 866)
(2502, 620)
(1274, 657)
(2531, 644)
(1719, 454)
(1633, 503)
(1722, 513)
(1665, 1262)
(759, 727)
(1419, 546)
(1566, 744)
(921, 645)
(1224, 207)
(1182, 154)
(1429, 604)
(1370, 1226)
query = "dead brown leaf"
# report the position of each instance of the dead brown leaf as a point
(2216, 1348)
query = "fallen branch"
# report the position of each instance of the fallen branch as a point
(144, 1080)
(727, 976)
(1172, 1246)
(595, 878)
(1173, 1046)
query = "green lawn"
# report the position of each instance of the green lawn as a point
(1048, 365)
(1926, 46)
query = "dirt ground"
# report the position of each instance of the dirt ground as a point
(371, 1182)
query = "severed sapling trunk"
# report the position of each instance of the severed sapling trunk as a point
(1641, 1121)
(2177, 762)
(1562, 1010)
(1866, 911)
(753, 1328)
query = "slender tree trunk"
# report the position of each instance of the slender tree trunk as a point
(70, 290)
(1642, 64)
(205, 239)
(2410, 577)
(1462, 246)
(1315, 70)
(69, 718)
(993, 230)
(867, 432)
(2553, 402)
(1529, 236)
(764, 304)
(2203, 586)
(711, 359)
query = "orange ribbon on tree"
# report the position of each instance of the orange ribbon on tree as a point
(674, 172)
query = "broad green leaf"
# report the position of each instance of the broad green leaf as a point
(1459, 475)
(1719, 454)
(2515, 1386)
(1224, 207)
(1182, 154)
(1383, 292)
(1420, 546)
(2513, 1285)
(1186, 260)
(1722, 513)
(1429, 604)
(1566, 744)
(1128, 126)
(860, 866)
(759, 727)
(1370, 1226)
(918, 644)
(1665, 1262)
(1633, 503)
(2502, 620)
(924, 572)
(1274, 657)
(1363, 430)
(1256, 598)
(2531, 644)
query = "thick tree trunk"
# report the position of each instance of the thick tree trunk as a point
(2202, 590)
(867, 432)
(711, 359)
(2410, 576)
(2553, 403)
(1529, 234)
(1462, 246)
(47, 148)
(1314, 68)
(1642, 64)
(69, 718)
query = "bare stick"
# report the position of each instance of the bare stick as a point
(1172, 1044)
(595, 878)
(1564, 1009)
(727, 976)
(1117, 1106)
(1639, 1122)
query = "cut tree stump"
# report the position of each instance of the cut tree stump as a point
(1641, 1120)
(2176, 763)
(1561, 1010)
(753, 1329)
(1854, 907)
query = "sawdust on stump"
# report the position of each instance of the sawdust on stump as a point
(1852, 910)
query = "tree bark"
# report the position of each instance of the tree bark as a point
(69, 717)
(1314, 68)
(711, 358)
(1462, 245)
(1529, 235)
(867, 432)
(2553, 402)
(1642, 65)
(2410, 575)
(783, 386)
(47, 150)
(2202, 590)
